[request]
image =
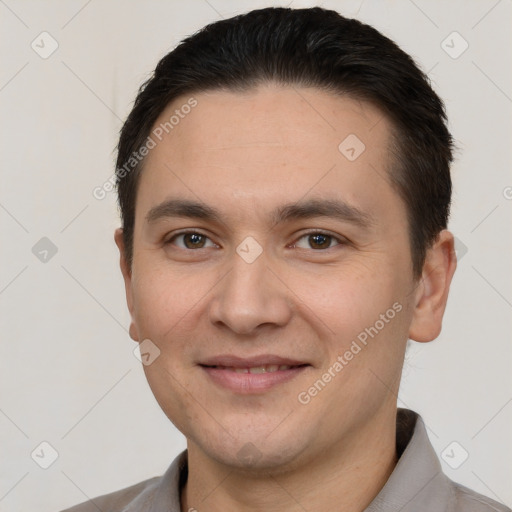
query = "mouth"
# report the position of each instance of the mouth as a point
(252, 375)
(255, 370)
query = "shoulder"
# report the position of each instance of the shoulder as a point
(466, 500)
(158, 493)
(141, 493)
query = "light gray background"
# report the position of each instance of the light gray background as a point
(68, 373)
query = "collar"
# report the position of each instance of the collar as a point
(417, 483)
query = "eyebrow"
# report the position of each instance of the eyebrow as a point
(331, 208)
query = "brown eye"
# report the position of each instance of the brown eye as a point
(317, 241)
(191, 240)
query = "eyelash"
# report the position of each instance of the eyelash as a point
(340, 241)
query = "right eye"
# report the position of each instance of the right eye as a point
(190, 240)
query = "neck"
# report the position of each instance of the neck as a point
(346, 476)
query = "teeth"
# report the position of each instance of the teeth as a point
(257, 369)
(267, 368)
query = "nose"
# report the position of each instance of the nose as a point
(249, 297)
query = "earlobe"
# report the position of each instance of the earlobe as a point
(432, 290)
(127, 276)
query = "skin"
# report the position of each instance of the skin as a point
(247, 154)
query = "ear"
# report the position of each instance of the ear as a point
(127, 276)
(431, 293)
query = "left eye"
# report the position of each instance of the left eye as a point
(317, 241)
(191, 240)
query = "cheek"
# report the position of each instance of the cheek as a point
(349, 298)
(367, 313)
(169, 387)
(165, 299)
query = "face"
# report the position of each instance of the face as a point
(272, 271)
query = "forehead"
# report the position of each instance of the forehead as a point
(270, 116)
(268, 145)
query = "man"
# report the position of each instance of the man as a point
(284, 184)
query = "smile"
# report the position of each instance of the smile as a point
(243, 377)
(269, 368)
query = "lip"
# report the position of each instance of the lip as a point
(220, 370)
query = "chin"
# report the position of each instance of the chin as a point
(255, 453)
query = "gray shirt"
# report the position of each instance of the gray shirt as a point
(417, 483)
